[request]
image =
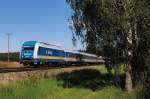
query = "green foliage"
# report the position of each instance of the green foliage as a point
(87, 78)
(13, 56)
(118, 29)
(106, 24)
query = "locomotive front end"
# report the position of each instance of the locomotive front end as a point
(27, 53)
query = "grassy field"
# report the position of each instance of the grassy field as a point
(9, 65)
(82, 84)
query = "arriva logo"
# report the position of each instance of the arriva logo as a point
(27, 54)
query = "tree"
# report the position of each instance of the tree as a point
(118, 28)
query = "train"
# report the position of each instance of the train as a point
(34, 53)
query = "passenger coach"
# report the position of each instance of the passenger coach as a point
(38, 53)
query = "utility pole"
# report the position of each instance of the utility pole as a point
(8, 38)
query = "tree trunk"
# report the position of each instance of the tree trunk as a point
(129, 56)
(128, 80)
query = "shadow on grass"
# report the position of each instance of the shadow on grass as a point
(87, 78)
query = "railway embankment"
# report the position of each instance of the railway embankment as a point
(19, 76)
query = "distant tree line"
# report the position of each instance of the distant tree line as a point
(13, 56)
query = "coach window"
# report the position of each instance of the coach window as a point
(67, 54)
(71, 55)
(60, 53)
(40, 51)
(49, 52)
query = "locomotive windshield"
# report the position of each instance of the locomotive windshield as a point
(28, 48)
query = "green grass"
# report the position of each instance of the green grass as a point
(83, 84)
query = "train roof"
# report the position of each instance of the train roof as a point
(52, 44)
(88, 54)
(32, 43)
(71, 51)
(29, 43)
(78, 52)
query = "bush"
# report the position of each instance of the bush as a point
(14, 56)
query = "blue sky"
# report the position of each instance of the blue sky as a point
(41, 20)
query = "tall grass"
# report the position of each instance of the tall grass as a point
(53, 88)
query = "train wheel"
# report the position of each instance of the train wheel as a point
(36, 65)
(50, 64)
(25, 64)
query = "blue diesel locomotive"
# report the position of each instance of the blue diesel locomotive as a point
(38, 53)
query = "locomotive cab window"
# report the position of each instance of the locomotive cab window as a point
(28, 48)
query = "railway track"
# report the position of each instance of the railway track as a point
(21, 69)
